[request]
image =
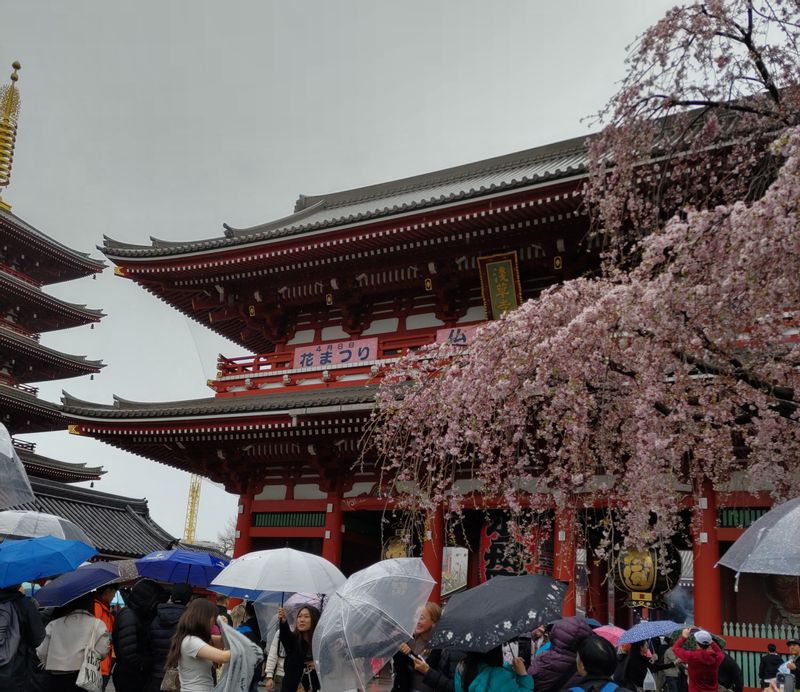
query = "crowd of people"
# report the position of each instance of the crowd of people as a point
(170, 639)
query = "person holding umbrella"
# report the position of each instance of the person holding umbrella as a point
(298, 666)
(433, 669)
(66, 640)
(485, 672)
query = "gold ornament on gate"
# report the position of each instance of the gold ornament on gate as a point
(638, 571)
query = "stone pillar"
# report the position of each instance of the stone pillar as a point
(332, 542)
(433, 550)
(705, 549)
(243, 541)
(564, 557)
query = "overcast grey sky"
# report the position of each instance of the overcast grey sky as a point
(169, 118)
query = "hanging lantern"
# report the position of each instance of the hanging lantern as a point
(648, 577)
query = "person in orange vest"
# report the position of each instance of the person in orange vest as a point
(102, 611)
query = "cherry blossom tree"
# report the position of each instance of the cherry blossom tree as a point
(680, 364)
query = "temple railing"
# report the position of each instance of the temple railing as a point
(10, 382)
(14, 327)
(760, 631)
(268, 363)
(21, 444)
(747, 642)
(20, 275)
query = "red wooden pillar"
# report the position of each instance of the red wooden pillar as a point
(433, 550)
(597, 588)
(243, 542)
(705, 549)
(332, 543)
(564, 557)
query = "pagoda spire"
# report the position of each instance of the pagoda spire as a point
(9, 111)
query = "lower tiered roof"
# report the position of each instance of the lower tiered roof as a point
(118, 526)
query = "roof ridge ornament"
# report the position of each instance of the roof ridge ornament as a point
(9, 112)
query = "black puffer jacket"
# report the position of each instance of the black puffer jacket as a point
(162, 627)
(131, 639)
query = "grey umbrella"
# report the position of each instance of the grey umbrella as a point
(770, 545)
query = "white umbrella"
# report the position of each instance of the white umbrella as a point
(368, 618)
(17, 523)
(769, 545)
(282, 569)
(15, 488)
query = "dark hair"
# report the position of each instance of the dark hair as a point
(598, 656)
(250, 609)
(314, 613)
(195, 621)
(471, 664)
(772, 648)
(222, 599)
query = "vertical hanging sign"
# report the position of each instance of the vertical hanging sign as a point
(500, 285)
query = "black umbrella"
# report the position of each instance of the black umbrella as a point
(497, 611)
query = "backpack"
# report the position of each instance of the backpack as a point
(10, 632)
(610, 686)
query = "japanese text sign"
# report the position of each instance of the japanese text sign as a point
(338, 353)
(460, 336)
(500, 283)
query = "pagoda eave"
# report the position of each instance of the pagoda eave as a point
(45, 467)
(24, 412)
(48, 261)
(26, 360)
(43, 312)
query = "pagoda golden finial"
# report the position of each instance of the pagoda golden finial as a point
(9, 111)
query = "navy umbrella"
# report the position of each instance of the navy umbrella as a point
(35, 558)
(481, 618)
(648, 630)
(181, 567)
(84, 580)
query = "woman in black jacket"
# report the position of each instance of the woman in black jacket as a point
(298, 666)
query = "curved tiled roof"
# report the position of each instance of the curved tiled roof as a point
(25, 345)
(190, 408)
(74, 263)
(118, 526)
(71, 312)
(39, 466)
(521, 169)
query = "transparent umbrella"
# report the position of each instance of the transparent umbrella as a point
(368, 618)
(267, 604)
(16, 523)
(770, 545)
(15, 488)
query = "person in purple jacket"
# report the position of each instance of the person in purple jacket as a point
(555, 669)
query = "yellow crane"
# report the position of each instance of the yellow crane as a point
(192, 505)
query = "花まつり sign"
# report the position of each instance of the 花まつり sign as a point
(337, 353)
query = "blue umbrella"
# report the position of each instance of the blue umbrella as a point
(648, 630)
(84, 580)
(35, 558)
(181, 567)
